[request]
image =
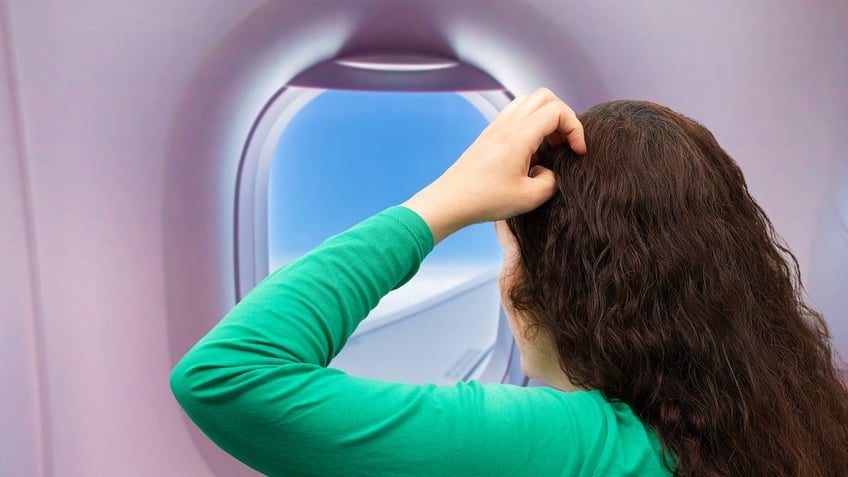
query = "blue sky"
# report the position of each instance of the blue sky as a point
(347, 155)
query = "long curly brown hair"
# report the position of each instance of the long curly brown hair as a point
(663, 284)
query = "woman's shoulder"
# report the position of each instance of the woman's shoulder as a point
(612, 438)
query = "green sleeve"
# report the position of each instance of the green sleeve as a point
(257, 384)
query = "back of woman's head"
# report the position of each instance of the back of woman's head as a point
(662, 284)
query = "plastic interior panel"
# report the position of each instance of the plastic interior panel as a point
(465, 324)
(448, 339)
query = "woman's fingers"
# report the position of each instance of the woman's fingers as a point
(534, 102)
(541, 186)
(571, 130)
(557, 123)
(550, 119)
(513, 105)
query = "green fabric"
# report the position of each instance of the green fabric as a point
(257, 384)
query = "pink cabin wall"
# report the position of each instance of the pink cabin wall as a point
(21, 438)
(89, 95)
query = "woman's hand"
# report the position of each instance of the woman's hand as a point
(493, 180)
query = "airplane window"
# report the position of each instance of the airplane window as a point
(347, 155)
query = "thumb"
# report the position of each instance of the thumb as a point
(541, 186)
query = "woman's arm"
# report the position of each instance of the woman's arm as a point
(258, 385)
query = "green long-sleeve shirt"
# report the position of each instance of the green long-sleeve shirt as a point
(258, 385)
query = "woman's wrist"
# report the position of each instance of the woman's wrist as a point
(439, 210)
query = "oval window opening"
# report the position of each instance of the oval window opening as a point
(347, 155)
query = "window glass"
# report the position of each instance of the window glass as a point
(347, 155)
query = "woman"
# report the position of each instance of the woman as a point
(640, 280)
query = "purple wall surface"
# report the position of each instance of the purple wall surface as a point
(122, 123)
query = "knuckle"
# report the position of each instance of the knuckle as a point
(546, 93)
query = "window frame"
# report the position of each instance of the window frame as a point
(251, 263)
